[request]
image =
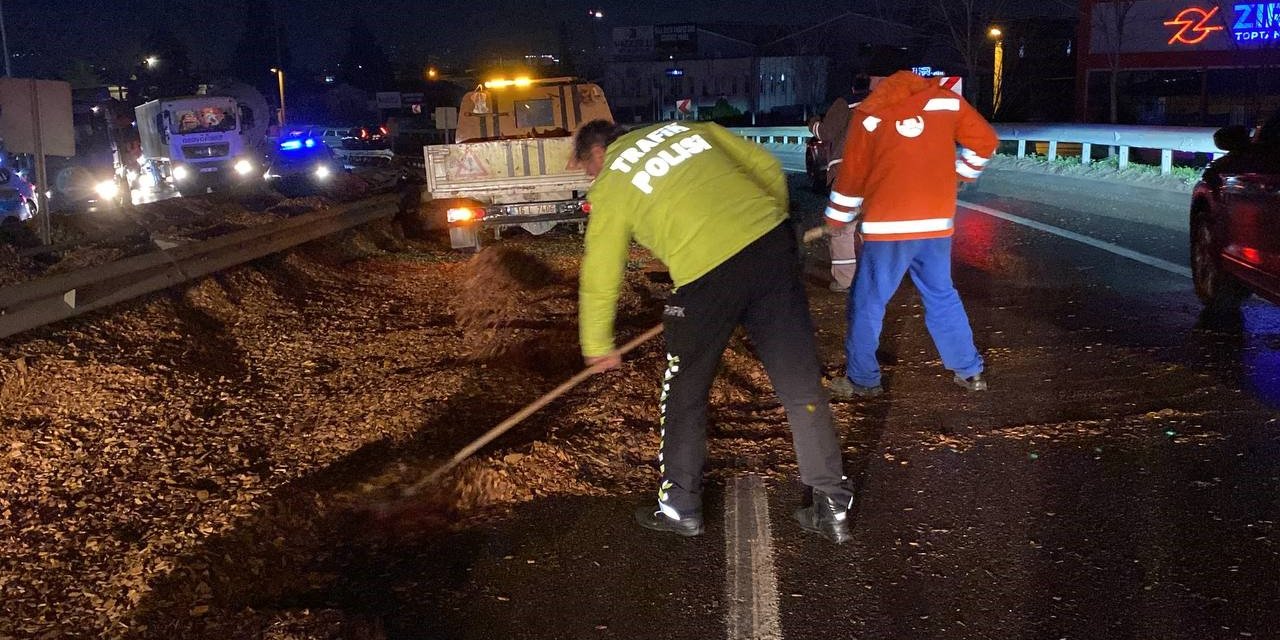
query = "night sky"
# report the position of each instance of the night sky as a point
(109, 32)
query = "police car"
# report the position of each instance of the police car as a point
(301, 165)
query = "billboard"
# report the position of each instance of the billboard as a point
(633, 42)
(1162, 26)
(676, 39)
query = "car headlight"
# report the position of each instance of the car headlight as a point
(244, 167)
(107, 189)
(323, 172)
(180, 173)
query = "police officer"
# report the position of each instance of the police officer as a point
(713, 208)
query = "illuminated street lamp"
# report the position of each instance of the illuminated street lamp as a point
(280, 76)
(152, 61)
(997, 83)
(433, 73)
(596, 13)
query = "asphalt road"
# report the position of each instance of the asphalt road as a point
(1120, 480)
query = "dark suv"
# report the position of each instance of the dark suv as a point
(1235, 219)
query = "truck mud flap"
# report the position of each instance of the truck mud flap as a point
(467, 237)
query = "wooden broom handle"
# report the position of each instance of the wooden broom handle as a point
(527, 411)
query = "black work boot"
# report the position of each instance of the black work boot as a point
(845, 388)
(826, 517)
(973, 383)
(651, 517)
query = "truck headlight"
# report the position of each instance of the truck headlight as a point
(181, 173)
(244, 167)
(323, 172)
(107, 189)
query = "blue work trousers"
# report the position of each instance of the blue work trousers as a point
(880, 270)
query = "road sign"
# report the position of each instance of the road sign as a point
(35, 118)
(36, 110)
(388, 99)
(685, 106)
(446, 117)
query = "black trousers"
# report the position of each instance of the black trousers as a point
(760, 289)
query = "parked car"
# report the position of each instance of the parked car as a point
(17, 197)
(87, 185)
(301, 165)
(368, 137)
(332, 137)
(1235, 219)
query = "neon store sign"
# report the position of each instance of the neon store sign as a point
(1254, 22)
(1257, 21)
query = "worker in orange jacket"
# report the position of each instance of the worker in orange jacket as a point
(899, 176)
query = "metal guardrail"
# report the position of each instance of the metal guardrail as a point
(1123, 138)
(774, 135)
(33, 304)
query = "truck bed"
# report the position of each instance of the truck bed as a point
(505, 171)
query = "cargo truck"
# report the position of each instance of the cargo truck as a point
(197, 143)
(512, 162)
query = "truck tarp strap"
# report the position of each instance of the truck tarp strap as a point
(484, 128)
(564, 114)
(524, 149)
(497, 119)
(511, 161)
(542, 159)
(577, 106)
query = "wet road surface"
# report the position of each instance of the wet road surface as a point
(1119, 480)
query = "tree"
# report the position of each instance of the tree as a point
(261, 48)
(166, 69)
(721, 111)
(365, 65)
(81, 75)
(1110, 22)
(967, 22)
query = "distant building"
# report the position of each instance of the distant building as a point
(776, 72)
(1178, 62)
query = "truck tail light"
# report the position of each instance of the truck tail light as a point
(462, 214)
(586, 207)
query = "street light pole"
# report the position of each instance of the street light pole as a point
(4, 36)
(280, 76)
(997, 83)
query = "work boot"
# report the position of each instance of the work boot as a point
(844, 388)
(651, 517)
(826, 517)
(973, 383)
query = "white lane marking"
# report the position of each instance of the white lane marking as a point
(751, 583)
(1151, 261)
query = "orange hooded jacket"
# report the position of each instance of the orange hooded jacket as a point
(900, 166)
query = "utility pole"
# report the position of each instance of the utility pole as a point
(4, 36)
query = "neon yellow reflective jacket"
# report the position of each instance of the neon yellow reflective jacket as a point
(692, 193)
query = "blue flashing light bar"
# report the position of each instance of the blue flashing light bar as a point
(294, 145)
